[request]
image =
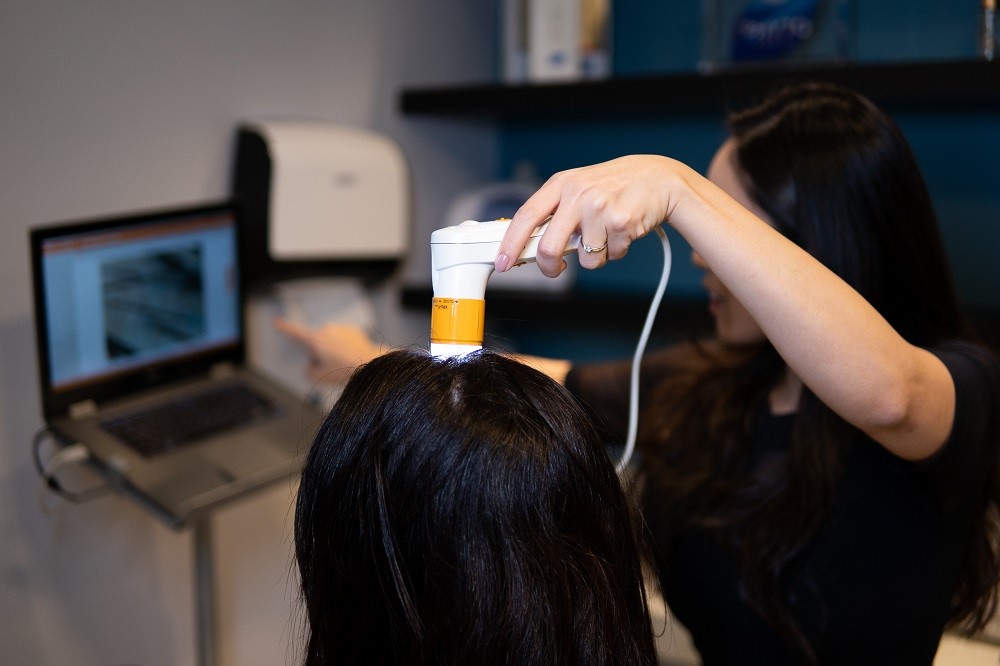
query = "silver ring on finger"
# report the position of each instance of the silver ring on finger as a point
(591, 248)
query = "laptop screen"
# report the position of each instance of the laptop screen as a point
(120, 297)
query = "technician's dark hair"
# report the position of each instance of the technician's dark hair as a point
(837, 177)
(466, 512)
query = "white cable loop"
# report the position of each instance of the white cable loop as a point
(633, 413)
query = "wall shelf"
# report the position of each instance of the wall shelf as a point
(923, 85)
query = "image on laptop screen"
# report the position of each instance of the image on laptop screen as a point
(123, 297)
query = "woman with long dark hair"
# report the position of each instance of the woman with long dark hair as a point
(819, 480)
(465, 512)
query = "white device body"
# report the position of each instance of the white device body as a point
(463, 259)
(336, 192)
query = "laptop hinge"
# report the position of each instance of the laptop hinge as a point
(84, 408)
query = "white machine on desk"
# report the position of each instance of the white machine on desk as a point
(319, 198)
(326, 206)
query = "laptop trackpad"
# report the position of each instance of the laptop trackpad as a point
(241, 457)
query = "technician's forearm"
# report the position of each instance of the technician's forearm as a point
(831, 337)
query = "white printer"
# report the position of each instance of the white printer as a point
(325, 211)
(320, 199)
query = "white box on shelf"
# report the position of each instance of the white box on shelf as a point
(555, 40)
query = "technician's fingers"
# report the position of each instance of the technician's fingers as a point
(610, 212)
(528, 217)
(306, 338)
(560, 197)
(607, 203)
(552, 245)
(594, 250)
(297, 332)
(620, 237)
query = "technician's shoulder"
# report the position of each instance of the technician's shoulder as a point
(975, 371)
(973, 446)
(972, 366)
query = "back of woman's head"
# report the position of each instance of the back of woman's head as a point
(465, 511)
(837, 177)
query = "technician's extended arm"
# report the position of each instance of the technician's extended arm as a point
(832, 338)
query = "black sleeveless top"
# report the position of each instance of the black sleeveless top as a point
(875, 584)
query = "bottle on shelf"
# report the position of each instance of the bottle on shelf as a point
(988, 30)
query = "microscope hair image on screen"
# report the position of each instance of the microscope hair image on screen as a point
(152, 302)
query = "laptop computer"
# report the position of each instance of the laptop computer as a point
(141, 353)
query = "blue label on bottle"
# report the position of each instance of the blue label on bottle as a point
(770, 29)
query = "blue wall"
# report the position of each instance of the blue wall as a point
(958, 151)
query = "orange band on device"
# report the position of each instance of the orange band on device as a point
(457, 321)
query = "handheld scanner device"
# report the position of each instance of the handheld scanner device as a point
(462, 261)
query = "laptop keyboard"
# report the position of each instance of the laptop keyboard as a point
(162, 428)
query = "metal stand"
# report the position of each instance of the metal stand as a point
(204, 581)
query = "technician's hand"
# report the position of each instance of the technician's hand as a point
(610, 204)
(335, 350)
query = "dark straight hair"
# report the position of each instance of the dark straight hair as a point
(837, 177)
(465, 511)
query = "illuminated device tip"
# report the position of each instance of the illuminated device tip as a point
(445, 351)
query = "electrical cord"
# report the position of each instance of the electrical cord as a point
(72, 454)
(633, 412)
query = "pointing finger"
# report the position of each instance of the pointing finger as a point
(294, 330)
